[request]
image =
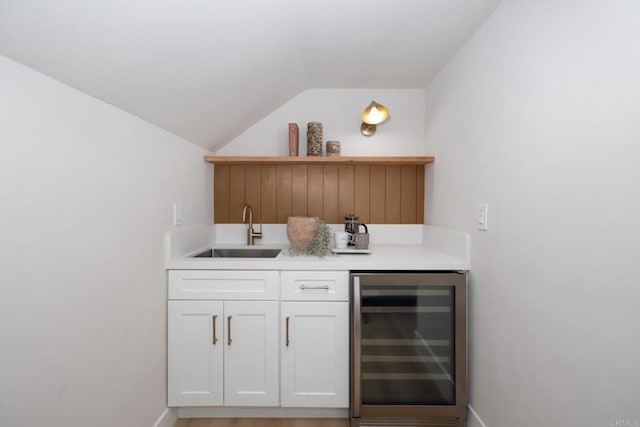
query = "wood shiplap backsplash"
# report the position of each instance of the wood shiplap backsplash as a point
(377, 193)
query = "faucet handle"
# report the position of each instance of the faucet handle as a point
(251, 234)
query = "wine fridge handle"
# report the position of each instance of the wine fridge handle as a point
(356, 350)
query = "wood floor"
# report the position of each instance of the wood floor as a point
(262, 422)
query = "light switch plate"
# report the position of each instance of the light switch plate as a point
(483, 217)
(177, 213)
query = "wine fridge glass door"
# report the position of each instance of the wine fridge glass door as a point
(405, 341)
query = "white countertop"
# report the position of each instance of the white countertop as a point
(437, 249)
(382, 257)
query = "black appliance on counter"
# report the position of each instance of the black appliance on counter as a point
(408, 349)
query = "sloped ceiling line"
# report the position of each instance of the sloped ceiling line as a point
(207, 70)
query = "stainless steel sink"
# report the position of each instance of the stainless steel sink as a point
(238, 253)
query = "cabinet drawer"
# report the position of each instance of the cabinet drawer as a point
(223, 285)
(314, 285)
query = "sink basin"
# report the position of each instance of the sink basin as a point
(245, 253)
(238, 253)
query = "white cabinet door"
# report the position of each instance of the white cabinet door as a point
(195, 352)
(315, 354)
(251, 353)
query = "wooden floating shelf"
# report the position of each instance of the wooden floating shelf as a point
(303, 160)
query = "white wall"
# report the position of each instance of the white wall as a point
(339, 112)
(86, 193)
(538, 117)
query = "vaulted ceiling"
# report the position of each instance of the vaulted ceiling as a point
(208, 69)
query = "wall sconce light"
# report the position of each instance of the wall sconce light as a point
(373, 115)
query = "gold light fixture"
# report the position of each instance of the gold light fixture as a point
(372, 116)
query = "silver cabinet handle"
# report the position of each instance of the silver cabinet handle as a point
(286, 340)
(215, 339)
(314, 287)
(228, 330)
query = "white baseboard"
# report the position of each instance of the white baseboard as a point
(170, 415)
(167, 419)
(474, 420)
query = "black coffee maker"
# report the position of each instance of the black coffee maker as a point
(352, 226)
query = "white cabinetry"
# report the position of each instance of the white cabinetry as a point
(233, 343)
(315, 340)
(223, 352)
(195, 353)
(251, 353)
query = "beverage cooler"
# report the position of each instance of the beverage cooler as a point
(408, 349)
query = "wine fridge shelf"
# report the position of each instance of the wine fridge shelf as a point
(406, 377)
(406, 359)
(418, 309)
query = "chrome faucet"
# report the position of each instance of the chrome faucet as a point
(251, 235)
